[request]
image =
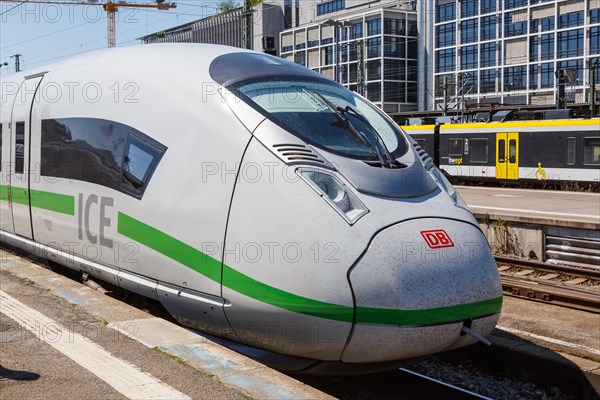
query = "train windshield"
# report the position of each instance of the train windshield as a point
(328, 116)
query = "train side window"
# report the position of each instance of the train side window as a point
(512, 151)
(99, 151)
(455, 147)
(591, 151)
(142, 154)
(501, 150)
(571, 154)
(479, 150)
(20, 148)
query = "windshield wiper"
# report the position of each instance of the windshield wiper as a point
(391, 163)
(340, 116)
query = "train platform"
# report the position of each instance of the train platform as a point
(61, 339)
(556, 208)
(51, 328)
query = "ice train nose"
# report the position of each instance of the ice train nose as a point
(417, 284)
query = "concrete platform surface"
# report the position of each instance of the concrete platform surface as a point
(161, 351)
(569, 209)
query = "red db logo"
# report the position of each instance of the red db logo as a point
(437, 239)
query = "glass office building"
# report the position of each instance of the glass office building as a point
(511, 51)
(372, 50)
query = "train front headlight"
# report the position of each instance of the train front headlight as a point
(446, 186)
(335, 192)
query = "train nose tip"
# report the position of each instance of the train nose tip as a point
(417, 284)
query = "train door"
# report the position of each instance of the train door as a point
(19, 172)
(507, 155)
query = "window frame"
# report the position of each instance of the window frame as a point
(487, 150)
(144, 142)
(585, 139)
(462, 149)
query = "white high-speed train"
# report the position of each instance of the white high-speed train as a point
(255, 199)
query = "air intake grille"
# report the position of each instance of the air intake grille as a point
(425, 158)
(298, 153)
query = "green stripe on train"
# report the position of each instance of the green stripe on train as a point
(60, 203)
(243, 284)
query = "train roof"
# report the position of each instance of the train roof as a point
(590, 122)
(177, 60)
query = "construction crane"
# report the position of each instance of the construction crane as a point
(110, 7)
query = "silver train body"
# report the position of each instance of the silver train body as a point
(256, 200)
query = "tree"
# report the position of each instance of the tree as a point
(228, 5)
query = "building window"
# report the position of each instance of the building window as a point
(547, 24)
(534, 43)
(513, 29)
(510, 4)
(394, 92)
(393, 26)
(547, 75)
(488, 28)
(533, 76)
(488, 55)
(514, 78)
(412, 29)
(469, 8)
(374, 91)
(570, 43)
(548, 46)
(300, 58)
(487, 81)
(374, 27)
(594, 34)
(446, 60)
(374, 47)
(469, 30)
(374, 69)
(595, 16)
(394, 47)
(570, 20)
(468, 57)
(488, 6)
(576, 65)
(394, 70)
(479, 151)
(287, 14)
(445, 12)
(330, 7)
(411, 93)
(446, 35)
(286, 49)
(327, 53)
(412, 70)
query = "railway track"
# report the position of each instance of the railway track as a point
(562, 285)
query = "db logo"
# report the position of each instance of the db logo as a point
(437, 239)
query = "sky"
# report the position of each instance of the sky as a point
(45, 33)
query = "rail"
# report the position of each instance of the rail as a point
(562, 285)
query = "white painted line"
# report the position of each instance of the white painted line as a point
(525, 191)
(550, 340)
(534, 211)
(124, 377)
